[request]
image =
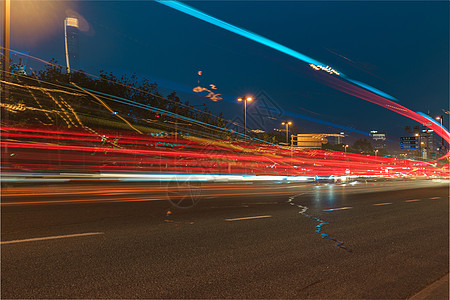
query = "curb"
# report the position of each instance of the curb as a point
(437, 290)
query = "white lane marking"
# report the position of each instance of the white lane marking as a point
(339, 208)
(260, 203)
(434, 198)
(248, 218)
(385, 203)
(51, 237)
(412, 200)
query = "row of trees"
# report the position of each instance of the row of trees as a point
(142, 91)
(130, 88)
(360, 146)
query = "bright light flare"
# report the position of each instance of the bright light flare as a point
(33, 22)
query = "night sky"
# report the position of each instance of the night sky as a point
(400, 48)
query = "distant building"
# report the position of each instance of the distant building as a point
(336, 139)
(428, 143)
(378, 139)
(340, 139)
(313, 140)
(422, 143)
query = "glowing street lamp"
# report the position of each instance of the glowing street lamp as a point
(245, 100)
(6, 24)
(72, 22)
(441, 118)
(345, 148)
(287, 130)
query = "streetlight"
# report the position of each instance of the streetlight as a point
(345, 148)
(287, 130)
(72, 22)
(248, 99)
(6, 45)
(441, 118)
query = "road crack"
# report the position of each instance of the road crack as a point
(303, 211)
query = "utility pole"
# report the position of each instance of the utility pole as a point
(287, 123)
(441, 118)
(6, 46)
(69, 22)
(245, 100)
(4, 91)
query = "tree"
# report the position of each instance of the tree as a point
(363, 146)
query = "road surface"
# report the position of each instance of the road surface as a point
(369, 240)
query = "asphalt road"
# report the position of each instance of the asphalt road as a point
(364, 241)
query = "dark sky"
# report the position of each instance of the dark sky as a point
(401, 48)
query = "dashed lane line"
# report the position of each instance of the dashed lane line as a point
(51, 238)
(385, 203)
(248, 218)
(412, 200)
(338, 208)
(434, 198)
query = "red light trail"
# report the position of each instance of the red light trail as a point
(36, 150)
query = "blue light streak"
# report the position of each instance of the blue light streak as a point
(368, 87)
(323, 235)
(261, 40)
(434, 121)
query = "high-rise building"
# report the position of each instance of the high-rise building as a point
(313, 140)
(422, 143)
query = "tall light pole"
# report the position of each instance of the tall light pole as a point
(287, 131)
(6, 46)
(441, 118)
(245, 100)
(4, 91)
(345, 148)
(72, 22)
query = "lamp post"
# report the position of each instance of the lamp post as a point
(287, 131)
(345, 148)
(4, 91)
(6, 45)
(245, 100)
(72, 22)
(441, 118)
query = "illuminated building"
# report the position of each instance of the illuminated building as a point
(312, 140)
(422, 144)
(379, 139)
